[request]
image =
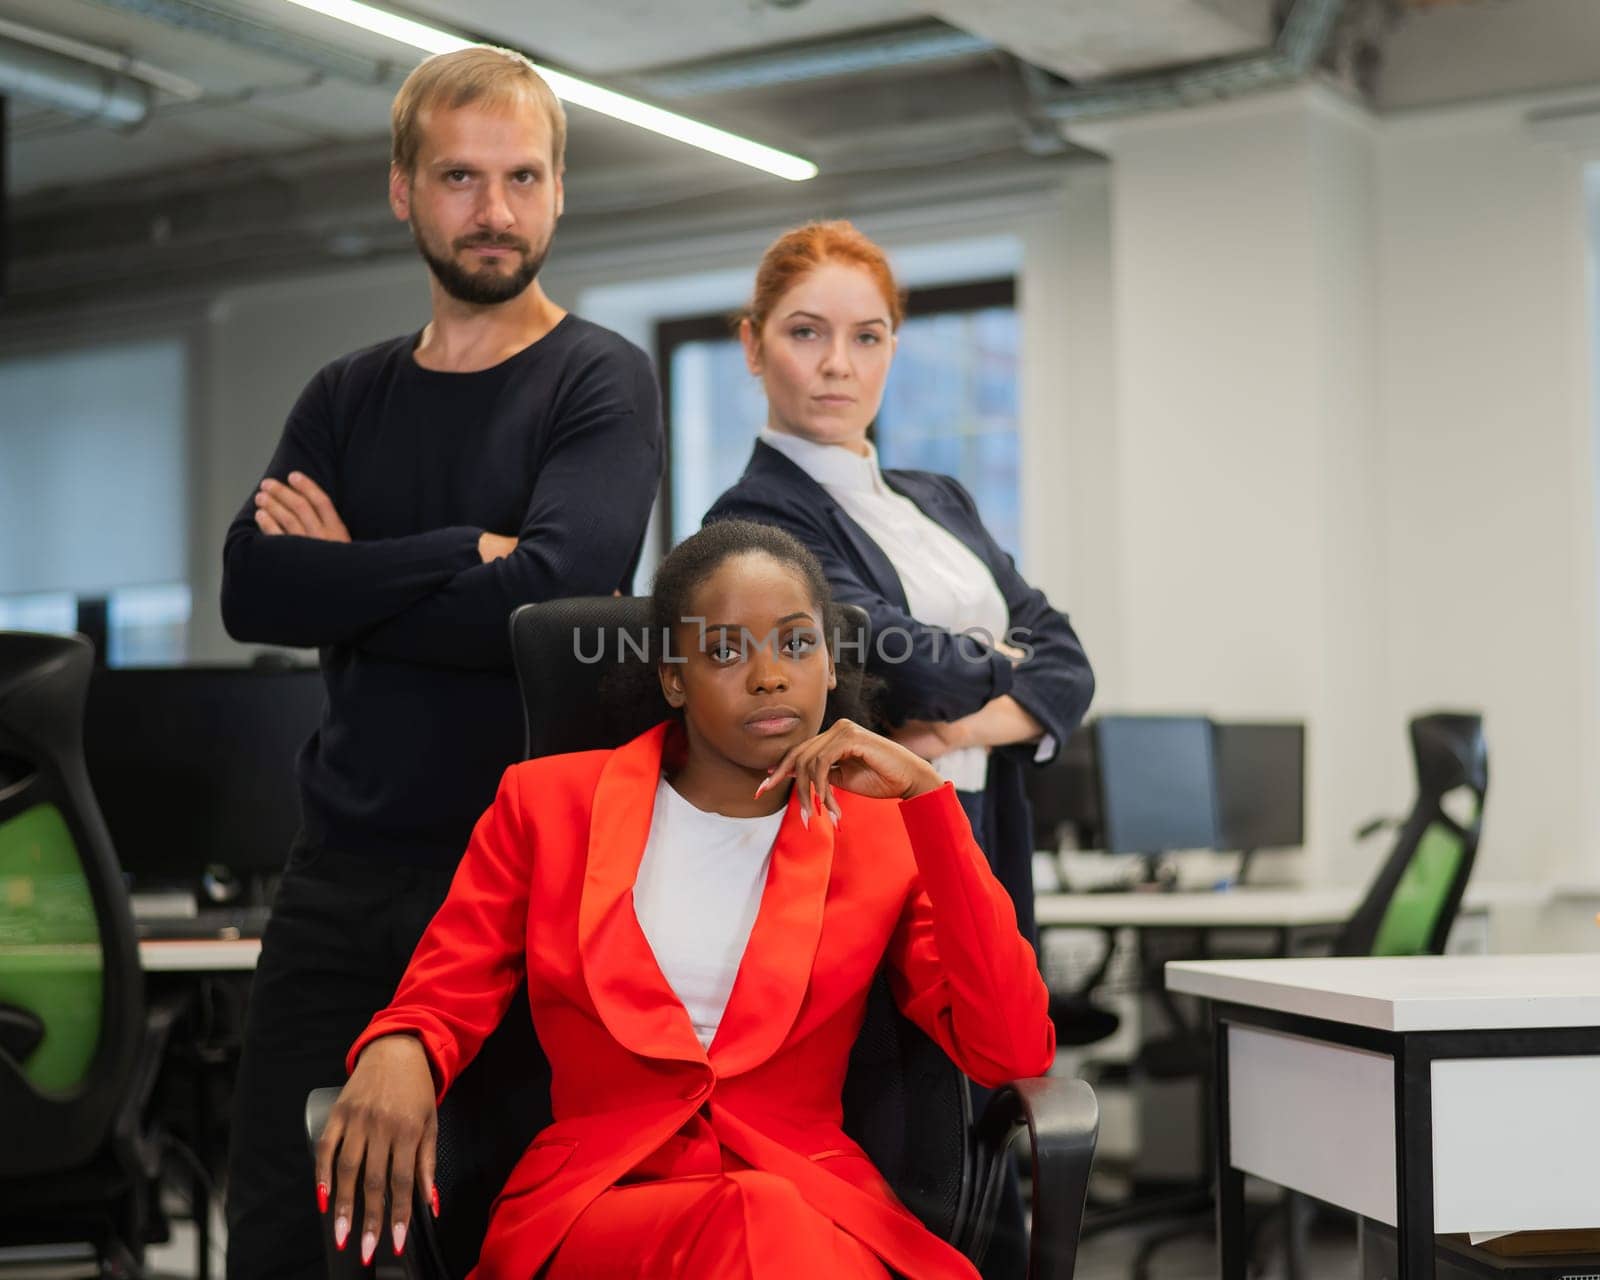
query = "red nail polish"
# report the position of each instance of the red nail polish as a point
(322, 1197)
(433, 1197)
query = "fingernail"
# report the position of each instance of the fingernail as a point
(268, 484)
(369, 1244)
(765, 783)
(805, 818)
(433, 1197)
(341, 1231)
(322, 1197)
(398, 1234)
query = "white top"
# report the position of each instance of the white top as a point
(696, 897)
(946, 585)
(1408, 993)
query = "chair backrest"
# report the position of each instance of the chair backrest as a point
(1412, 902)
(71, 989)
(904, 1101)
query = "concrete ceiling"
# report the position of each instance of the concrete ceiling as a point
(278, 161)
(1089, 40)
(603, 37)
(256, 103)
(1459, 50)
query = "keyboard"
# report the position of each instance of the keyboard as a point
(222, 923)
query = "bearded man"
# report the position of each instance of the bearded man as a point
(423, 488)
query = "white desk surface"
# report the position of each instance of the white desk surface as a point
(198, 955)
(1246, 908)
(1243, 907)
(1408, 993)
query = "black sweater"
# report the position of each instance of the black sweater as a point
(560, 445)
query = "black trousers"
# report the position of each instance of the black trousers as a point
(342, 929)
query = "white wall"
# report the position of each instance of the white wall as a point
(1239, 478)
(1487, 431)
(1353, 472)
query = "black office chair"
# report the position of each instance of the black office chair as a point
(1413, 901)
(79, 1050)
(1066, 794)
(904, 1101)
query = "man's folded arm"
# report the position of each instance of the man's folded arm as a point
(581, 533)
(289, 590)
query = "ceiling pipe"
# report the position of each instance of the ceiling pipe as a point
(848, 55)
(208, 20)
(179, 87)
(1304, 35)
(77, 88)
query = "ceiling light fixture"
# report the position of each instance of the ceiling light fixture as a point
(430, 39)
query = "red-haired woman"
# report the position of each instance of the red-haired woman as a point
(983, 674)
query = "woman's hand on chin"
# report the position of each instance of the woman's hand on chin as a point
(381, 1134)
(851, 758)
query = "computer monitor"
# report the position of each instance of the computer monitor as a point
(1261, 786)
(1157, 784)
(194, 767)
(1066, 793)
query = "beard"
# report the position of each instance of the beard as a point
(489, 285)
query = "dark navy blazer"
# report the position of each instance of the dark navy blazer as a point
(937, 680)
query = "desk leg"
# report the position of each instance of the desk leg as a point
(1413, 1145)
(1232, 1241)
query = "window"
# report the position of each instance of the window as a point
(148, 626)
(951, 403)
(94, 497)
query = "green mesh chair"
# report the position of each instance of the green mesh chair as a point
(1412, 903)
(78, 1053)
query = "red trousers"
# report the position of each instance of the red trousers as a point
(737, 1225)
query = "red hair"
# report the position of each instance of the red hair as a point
(797, 253)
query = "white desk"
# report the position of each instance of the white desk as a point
(1232, 908)
(200, 955)
(1243, 908)
(1437, 1093)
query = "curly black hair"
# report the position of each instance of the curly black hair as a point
(633, 686)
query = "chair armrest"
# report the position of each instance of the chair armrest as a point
(1062, 1121)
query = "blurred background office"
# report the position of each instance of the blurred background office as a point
(1262, 331)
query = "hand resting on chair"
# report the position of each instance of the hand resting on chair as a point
(385, 1122)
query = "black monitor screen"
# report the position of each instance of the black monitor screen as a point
(1261, 785)
(1065, 793)
(1157, 783)
(196, 766)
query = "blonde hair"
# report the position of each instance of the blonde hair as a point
(478, 73)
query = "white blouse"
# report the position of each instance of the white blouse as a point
(696, 897)
(946, 584)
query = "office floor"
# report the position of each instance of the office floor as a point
(1331, 1255)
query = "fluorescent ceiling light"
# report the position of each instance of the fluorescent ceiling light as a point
(419, 35)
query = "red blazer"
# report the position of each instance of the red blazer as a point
(545, 889)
